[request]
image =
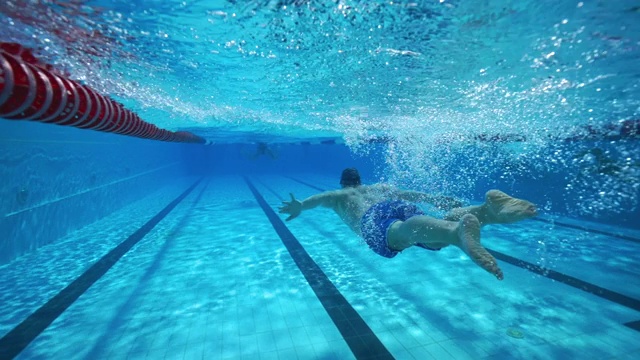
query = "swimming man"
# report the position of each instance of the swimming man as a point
(389, 222)
(263, 149)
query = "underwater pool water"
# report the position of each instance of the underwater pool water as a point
(214, 280)
(122, 247)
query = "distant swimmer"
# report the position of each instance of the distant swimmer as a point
(263, 148)
(389, 222)
(599, 162)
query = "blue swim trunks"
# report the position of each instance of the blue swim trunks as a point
(377, 220)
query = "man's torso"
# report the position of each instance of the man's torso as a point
(352, 203)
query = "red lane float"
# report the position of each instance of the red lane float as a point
(31, 90)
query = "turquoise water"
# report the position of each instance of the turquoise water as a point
(115, 247)
(213, 280)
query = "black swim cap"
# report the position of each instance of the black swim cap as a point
(350, 177)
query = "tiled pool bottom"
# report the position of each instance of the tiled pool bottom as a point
(214, 280)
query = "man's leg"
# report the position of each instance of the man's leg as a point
(499, 208)
(436, 233)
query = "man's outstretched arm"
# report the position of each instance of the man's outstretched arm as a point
(295, 206)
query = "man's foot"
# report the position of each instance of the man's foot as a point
(504, 209)
(499, 208)
(469, 235)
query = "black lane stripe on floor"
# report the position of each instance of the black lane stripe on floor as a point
(587, 229)
(270, 190)
(16, 340)
(361, 339)
(306, 183)
(635, 325)
(613, 296)
(616, 297)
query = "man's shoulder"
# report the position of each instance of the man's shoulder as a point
(381, 186)
(367, 189)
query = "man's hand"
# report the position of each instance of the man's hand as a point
(293, 208)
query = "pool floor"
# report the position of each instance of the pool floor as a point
(214, 279)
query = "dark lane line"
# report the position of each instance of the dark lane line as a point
(362, 341)
(16, 340)
(116, 323)
(635, 325)
(305, 183)
(587, 229)
(616, 297)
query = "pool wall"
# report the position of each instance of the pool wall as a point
(58, 179)
(289, 158)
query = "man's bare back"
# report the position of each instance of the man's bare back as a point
(351, 203)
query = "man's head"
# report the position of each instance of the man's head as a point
(350, 178)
